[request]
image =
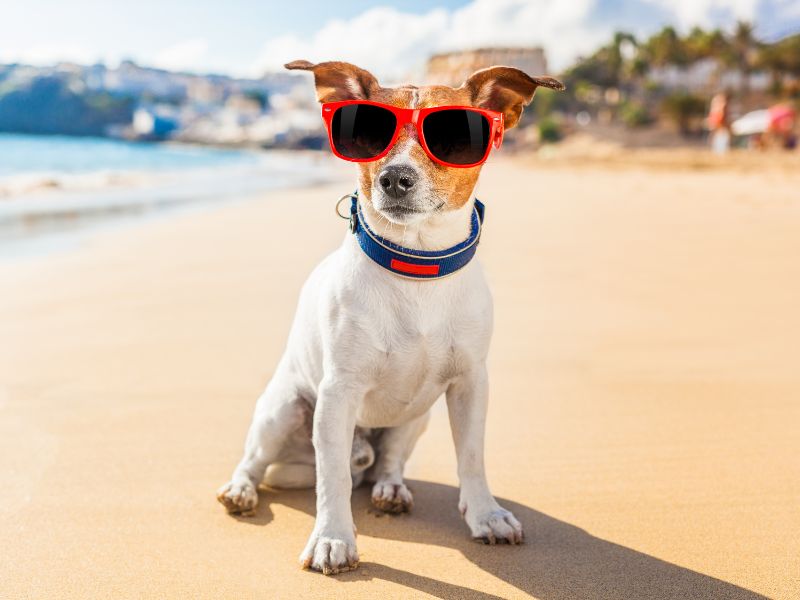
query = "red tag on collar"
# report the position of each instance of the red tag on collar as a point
(404, 267)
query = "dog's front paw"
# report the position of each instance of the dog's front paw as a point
(493, 525)
(238, 497)
(392, 497)
(330, 554)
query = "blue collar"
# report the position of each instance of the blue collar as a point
(410, 263)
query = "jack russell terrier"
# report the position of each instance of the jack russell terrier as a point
(397, 316)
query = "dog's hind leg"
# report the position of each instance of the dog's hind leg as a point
(389, 493)
(291, 475)
(296, 467)
(362, 456)
(279, 413)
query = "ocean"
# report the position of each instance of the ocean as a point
(73, 156)
(55, 185)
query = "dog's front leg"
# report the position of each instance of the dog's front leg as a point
(467, 400)
(332, 545)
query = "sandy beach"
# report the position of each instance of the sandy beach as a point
(643, 423)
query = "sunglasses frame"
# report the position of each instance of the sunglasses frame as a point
(416, 117)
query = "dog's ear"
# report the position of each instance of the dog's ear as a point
(337, 81)
(506, 90)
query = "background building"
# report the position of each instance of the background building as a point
(452, 68)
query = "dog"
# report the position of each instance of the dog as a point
(398, 316)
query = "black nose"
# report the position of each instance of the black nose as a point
(397, 181)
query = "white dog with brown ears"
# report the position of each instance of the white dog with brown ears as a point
(394, 318)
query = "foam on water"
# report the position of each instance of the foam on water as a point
(50, 185)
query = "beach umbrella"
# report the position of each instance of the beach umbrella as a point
(781, 118)
(757, 121)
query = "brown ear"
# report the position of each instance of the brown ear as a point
(338, 80)
(506, 90)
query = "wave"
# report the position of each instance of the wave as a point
(43, 182)
(37, 203)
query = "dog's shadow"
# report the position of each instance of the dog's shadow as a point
(558, 560)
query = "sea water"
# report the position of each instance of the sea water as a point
(53, 184)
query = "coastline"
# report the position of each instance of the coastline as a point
(54, 207)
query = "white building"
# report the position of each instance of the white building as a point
(707, 76)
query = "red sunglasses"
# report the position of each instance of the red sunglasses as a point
(454, 136)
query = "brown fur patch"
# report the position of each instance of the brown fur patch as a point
(338, 80)
(506, 90)
(453, 185)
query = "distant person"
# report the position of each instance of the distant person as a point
(719, 124)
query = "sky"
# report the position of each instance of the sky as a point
(391, 38)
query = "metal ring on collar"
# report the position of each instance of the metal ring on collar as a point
(339, 202)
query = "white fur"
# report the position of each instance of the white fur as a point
(370, 349)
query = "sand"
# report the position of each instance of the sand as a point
(643, 419)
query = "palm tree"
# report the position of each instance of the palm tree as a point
(702, 44)
(745, 47)
(780, 58)
(666, 48)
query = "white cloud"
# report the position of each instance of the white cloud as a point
(788, 8)
(563, 28)
(393, 43)
(383, 39)
(702, 12)
(187, 55)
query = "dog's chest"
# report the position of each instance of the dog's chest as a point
(415, 355)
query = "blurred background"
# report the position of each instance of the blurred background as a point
(200, 87)
(166, 187)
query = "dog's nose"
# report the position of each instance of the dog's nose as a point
(396, 181)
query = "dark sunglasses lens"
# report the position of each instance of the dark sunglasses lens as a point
(457, 136)
(362, 130)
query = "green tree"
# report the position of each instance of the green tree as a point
(745, 50)
(780, 59)
(607, 67)
(700, 44)
(666, 48)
